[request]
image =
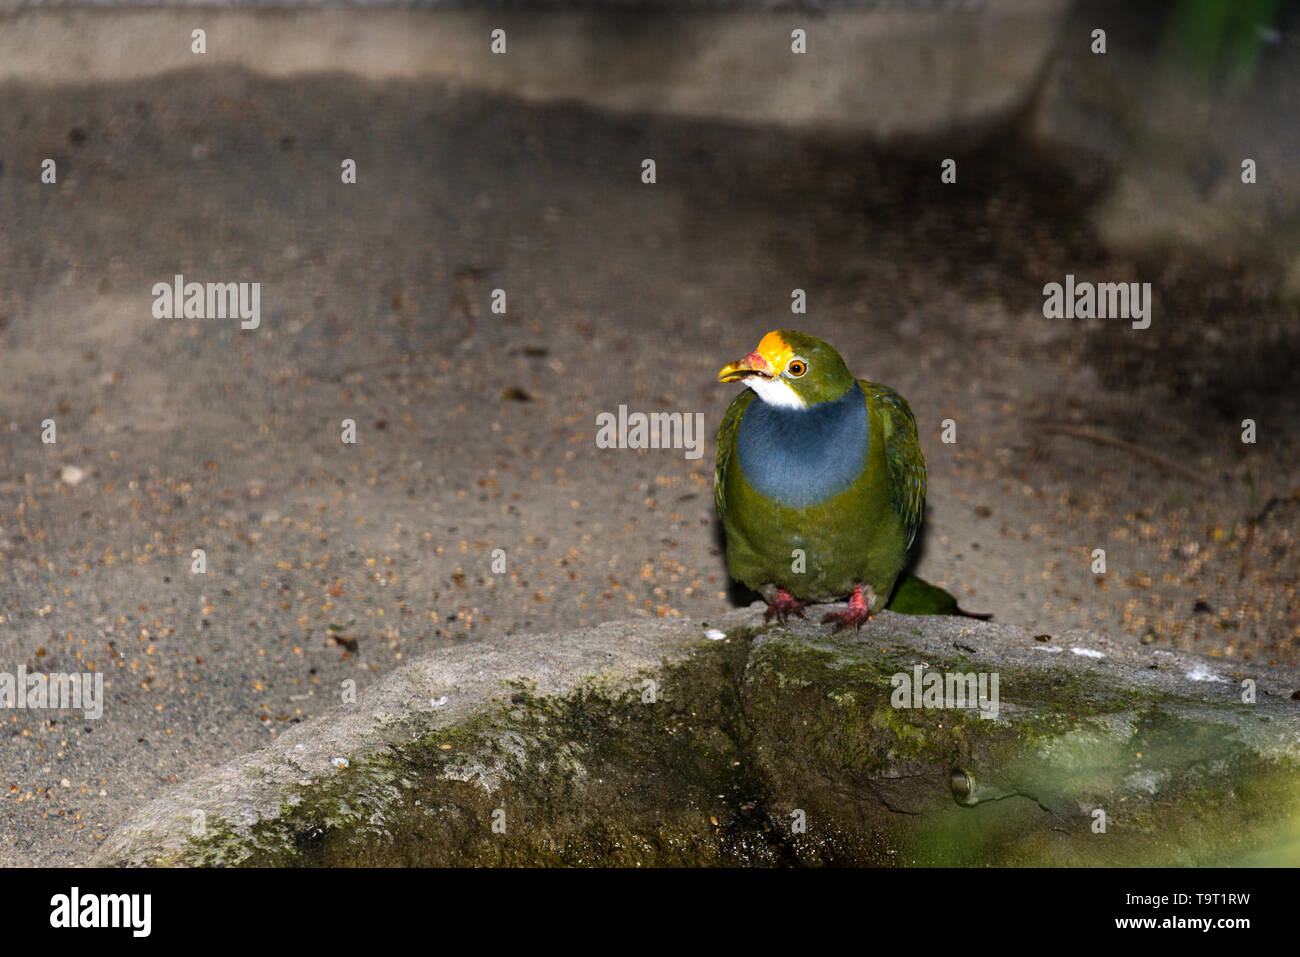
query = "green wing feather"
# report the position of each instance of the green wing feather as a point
(727, 445)
(902, 453)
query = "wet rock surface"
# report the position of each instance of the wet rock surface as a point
(653, 743)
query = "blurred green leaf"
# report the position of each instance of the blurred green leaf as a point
(1222, 39)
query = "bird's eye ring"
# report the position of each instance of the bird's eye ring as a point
(796, 368)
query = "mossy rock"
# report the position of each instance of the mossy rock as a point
(648, 744)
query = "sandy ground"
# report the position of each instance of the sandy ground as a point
(476, 431)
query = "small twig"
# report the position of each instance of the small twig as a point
(1271, 504)
(1153, 457)
(1253, 520)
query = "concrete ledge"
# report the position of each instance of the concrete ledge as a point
(892, 72)
(648, 743)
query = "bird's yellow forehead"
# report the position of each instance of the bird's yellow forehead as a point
(775, 350)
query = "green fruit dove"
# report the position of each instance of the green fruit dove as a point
(819, 480)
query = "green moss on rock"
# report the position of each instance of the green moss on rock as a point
(770, 749)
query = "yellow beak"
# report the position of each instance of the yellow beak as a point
(752, 364)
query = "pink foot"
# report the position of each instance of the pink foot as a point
(782, 606)
(858, 613)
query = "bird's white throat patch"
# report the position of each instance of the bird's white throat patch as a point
(776, 392)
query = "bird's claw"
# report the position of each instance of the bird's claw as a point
(847, 619)
(782, 606)
(856, 615)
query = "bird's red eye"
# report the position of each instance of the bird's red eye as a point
(796, 368)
